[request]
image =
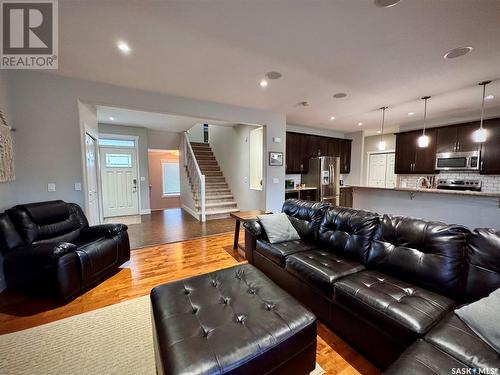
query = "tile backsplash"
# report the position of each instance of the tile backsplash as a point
(491, 184)
(295, 177)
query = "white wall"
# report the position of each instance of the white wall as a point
(357, 152)
(195, 134)
(231, 147)
(45, 110)
(142, 133)
(160, 140)
(474, 212)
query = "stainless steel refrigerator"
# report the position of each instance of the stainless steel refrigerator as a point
(324, 173)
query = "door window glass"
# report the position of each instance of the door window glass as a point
(118, 161)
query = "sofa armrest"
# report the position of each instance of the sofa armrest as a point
(254, 228)
(103, 230)
(40, 253)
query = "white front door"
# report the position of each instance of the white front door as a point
(92, 184)
(120, 187)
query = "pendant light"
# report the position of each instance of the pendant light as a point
(381, 145)
(423, 140)
(481, 134)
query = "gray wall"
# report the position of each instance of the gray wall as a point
(8, 195)
(142, 133)
(315, 131)
(231, 147)
(45, 110)
(160, 140)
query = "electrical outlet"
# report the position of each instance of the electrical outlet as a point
(276, 180)
(51, 187)
(143, 178)
(78, 186)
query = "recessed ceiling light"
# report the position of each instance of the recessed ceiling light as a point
(411, 113)
(112, 118)
(124, 47)
(360, 124)
(304, 103)
(263, 83)
(489, 97)
(457, 52)
(339, 95)
(386, 3)
(273, 75)
(332, 118)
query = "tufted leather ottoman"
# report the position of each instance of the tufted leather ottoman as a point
(233, 321)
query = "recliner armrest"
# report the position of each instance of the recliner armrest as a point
(40, 253)
(106, 230)
(254, 227)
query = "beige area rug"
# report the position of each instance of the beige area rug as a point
(113, 340)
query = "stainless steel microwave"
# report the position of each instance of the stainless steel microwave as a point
(457, 161)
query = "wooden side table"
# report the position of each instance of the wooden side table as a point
(243, 216)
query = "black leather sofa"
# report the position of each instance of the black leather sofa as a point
(381, 282)
(50, 249)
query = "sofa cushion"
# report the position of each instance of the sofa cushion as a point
(483, 263)
(307, 216)
(277, 252)
(348, 232)
(278, 228)
(398, 307)
(423, 358)
(98, 256)
(428, 254)
(454, 337)
(321, 269)
(42, 222)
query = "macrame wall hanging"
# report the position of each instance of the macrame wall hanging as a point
(7, 171)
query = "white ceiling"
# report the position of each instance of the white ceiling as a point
(219, 50)
(151, 120)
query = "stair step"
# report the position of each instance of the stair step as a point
(221, 198)
(220, 211)
(212, 173)
(199, 144)
(217, 204)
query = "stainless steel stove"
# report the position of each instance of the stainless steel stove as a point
(465, 184)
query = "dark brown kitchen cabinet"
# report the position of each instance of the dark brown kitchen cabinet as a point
(490, 150)
(301, 147)
(411, 159)
(457, 138)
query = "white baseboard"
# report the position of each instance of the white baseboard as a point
(146, 211)
(191, 212)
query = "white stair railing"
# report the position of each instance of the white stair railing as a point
(196, 177)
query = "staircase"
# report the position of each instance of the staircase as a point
(219, 201)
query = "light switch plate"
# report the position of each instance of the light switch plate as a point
(78, 186)
(277, 140)
(143, 178)
(51, 187)
(276, 180)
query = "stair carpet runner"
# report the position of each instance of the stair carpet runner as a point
(219, 200)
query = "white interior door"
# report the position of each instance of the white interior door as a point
(92, 184)
(120, 186)
(390, 177)
(377, 169)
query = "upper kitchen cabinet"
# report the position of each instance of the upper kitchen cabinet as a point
(456, 138)
(490, 150)
(301, 147)
(412, 159)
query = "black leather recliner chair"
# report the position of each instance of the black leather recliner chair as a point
(50, 249)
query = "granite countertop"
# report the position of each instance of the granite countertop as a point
(431, 191)
(299, 189)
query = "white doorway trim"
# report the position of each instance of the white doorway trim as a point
(85, 188)
(135, 138)
(370, 153)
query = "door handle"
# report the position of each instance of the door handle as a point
(134, 188)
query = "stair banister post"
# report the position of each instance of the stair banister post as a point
(203, 214)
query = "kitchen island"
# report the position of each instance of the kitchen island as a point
(470, 208)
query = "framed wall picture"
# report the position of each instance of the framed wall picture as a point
(276, 158)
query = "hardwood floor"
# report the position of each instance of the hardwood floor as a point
(156, 265)
(174, 225)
